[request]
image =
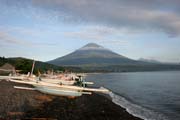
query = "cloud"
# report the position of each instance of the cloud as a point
(141, 15)
(8, 39)
(99, 34)
(132, 15)
(94, 33)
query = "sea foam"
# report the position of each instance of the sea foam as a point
(135, 109)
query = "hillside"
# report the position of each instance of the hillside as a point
(26, 64)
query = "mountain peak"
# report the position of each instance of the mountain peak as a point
(92, 46)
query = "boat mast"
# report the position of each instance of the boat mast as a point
(32, 68)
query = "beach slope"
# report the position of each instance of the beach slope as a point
(21, 104)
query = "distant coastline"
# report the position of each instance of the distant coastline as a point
(24, 65)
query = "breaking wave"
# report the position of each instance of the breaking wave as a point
(135, 109)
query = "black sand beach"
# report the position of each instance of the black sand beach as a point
(22, 104)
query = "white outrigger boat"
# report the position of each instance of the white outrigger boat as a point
(56, 89)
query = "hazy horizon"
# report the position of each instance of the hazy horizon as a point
(44, 30)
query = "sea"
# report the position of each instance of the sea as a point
(148, 95)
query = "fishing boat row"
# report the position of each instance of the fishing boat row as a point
(63, 84)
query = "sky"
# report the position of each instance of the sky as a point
(47, 29)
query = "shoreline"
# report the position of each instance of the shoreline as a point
(21, 104)
(95, 73)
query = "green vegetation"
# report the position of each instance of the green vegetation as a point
(25, 65)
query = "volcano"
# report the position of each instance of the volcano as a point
(92, 54)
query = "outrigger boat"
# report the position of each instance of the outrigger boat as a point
(56, 89)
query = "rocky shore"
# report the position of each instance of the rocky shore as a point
(22, 104)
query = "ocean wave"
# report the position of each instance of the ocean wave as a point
(135, 109)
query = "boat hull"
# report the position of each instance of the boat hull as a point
(58, 92)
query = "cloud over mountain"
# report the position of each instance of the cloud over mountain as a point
(145, 15)
(153, 15)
